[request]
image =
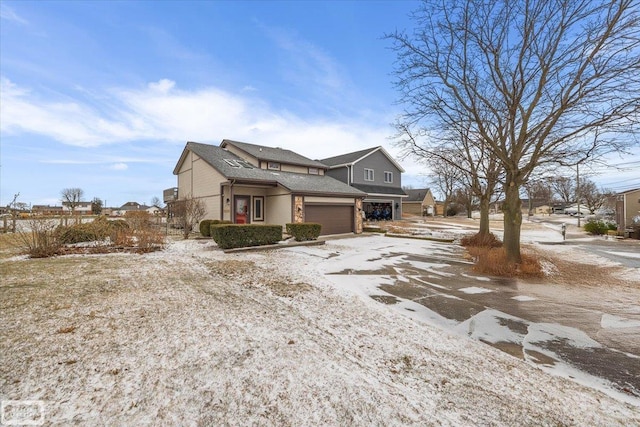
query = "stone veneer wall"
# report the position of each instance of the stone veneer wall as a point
(298, 209)
(359, 220)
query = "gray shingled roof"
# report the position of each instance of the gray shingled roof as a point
(349, 158)
(380, 189)
(416, 195)
(272, 154)
(295, 182)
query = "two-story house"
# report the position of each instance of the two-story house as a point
(248, 183)
(80, 208)
(376, 173)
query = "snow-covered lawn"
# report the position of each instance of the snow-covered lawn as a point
(193, 336)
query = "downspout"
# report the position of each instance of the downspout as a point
(231, 213)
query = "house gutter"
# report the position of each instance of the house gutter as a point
(231, 213)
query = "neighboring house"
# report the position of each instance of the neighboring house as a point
(81, 208)
(136, 207)
(46, 210)
(543, 210)
(375, 172)
(248, 183)
(419, 202)
(627, 208)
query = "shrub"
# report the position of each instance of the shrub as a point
(205, 227)
(99, 229)
(41, 240)
(79, 233)
(138, 220)
(229, 236)
(481, 241)
(598, 227)
(303, 231)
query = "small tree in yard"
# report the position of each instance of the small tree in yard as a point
(187, 213)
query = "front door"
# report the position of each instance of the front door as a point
(241, 209)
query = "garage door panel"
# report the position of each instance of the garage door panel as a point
(335, 219)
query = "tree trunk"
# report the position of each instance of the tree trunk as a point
(512, 210)
(484, 216)
(445, 207)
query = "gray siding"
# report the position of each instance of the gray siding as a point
(341, 174)
(379, 163)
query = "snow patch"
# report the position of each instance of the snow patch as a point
(610, 321)
(524, 298)
(475, 290)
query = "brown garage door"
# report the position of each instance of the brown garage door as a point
(335, 219)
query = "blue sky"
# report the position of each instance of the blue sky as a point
(104, 95)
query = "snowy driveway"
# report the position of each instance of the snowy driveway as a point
(585, 334)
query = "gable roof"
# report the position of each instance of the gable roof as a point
(223, 161)
(416, 195)
(272, 154)
(633, 190)
(356, 156)
(133, 206)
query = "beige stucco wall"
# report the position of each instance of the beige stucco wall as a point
(412, 208)
(631, 206)
(199, 180)
(329, 200)
(428, 199)
(278, 208)
(184, 176)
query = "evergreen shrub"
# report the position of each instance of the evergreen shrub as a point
(303, 231)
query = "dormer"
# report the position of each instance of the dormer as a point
(274, 159)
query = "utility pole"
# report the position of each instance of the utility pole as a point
(578, 190)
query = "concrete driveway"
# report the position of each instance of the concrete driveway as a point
(589, 334)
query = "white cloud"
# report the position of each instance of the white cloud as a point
(161, 111)
(119, 166)
(9, 14)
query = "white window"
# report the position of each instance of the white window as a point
(313, 171)
(273, 166)
(368, 174)
(388, 177)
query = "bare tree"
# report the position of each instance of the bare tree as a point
(445, 178)
(565, 188)
(532, 80)
(590, 195)
(187, 213)
(155, 201)
(72, 198)
(477, 170)
(464, 196)
(13, 209)
(539, 192)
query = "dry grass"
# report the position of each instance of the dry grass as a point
(491, 258)
(493, 261)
